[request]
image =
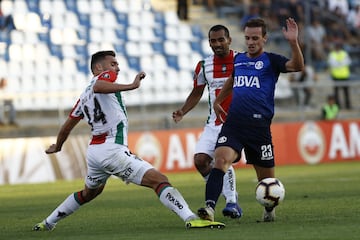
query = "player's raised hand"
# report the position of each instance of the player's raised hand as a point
(140, 76)
(291, 30)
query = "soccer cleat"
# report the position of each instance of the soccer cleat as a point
(269, 215)
(200, 223)
(232, 210)
(43, 226)
(206, 213)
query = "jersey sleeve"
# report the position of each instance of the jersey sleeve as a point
(76, 111)
(108, 76)
(278, 62)
(199, 79)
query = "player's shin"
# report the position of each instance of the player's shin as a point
(229, 186)
(67, 207)
(173, 200)
(214, 187)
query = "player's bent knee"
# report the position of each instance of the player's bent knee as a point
(153, 178)
(202, 163)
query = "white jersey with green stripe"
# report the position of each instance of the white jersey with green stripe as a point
(105, 113)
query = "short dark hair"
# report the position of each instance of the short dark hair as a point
(219, 27)
(99, 56)
(256, 22)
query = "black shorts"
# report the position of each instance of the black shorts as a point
(256, 142)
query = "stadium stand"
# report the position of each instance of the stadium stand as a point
(47, 57)
(48, 53)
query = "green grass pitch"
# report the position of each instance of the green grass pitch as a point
(321, 202)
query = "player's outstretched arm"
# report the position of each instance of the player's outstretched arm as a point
(191, 101)
(64, 132)
(109, 87)
(291, 32)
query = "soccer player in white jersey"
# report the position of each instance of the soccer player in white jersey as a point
(102, 106)
(212, 72)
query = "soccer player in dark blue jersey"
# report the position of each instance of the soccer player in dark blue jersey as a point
(248, 120)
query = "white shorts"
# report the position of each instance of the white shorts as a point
(207, 140)
(104, 160)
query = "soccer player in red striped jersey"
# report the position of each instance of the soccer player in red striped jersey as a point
(102, 106)
(212, 72)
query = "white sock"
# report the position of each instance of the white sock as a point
(229, 186)
(66, 208)
(173, 200)
(206, 177)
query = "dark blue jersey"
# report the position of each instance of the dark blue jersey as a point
(253, 89)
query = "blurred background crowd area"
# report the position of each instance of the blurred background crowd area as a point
(322, 23)
(45, 46)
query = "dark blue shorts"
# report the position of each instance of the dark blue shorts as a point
(256, 141)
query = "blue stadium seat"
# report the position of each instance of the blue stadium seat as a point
(4, 54)
(45, 20)
(172, 62)
(81, 50)
(83, 34)
(122, 18)
(134, 63)
(56, 51)
(159, 18)
(65, 43)
(33, 6)
(197, 32)
(82, 66)
(196, 47)
(71, 6)
(120, 48)
(121, 33)
(108, 4)
(84, 20)
(44, 37)
(5, 37)
(160, 33)
(158, 47)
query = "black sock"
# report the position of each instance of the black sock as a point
(214, 187)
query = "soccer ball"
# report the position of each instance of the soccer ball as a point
(270, 192)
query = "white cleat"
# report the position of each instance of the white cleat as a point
(206, 213)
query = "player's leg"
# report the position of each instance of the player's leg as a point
(264, 172)
(144, 174)
(232, 208)
(224, 157)
(261, 152)
(204, 162)
(169, 196)
(68, 206)
(204, 150)
(94, 185)
(131, 168)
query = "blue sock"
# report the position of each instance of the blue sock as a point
(214, 187)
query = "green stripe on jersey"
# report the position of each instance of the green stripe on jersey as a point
(119, 98)
(120, 133)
